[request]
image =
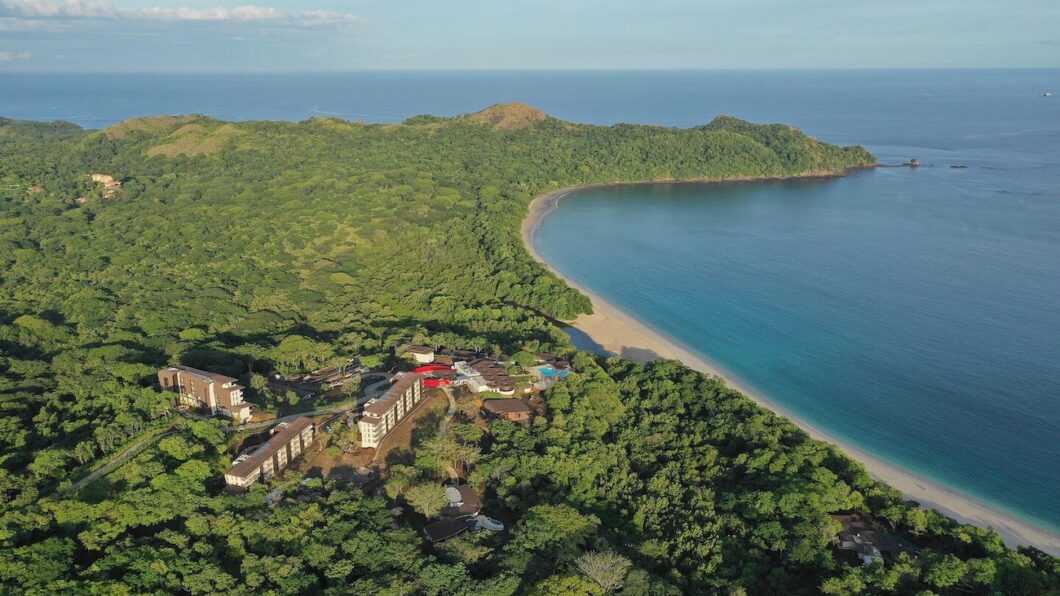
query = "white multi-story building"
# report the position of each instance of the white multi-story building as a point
(383, 414)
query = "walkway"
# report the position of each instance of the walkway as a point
(452, 410)
(124, 456)
(444, 425)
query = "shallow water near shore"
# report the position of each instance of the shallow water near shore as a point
(912, 313)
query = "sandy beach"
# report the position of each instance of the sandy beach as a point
(623, 335)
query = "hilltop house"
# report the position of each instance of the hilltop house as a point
(110, 185)
(218, 393)
(383, 414)
(422, 354)
(288, 441)
(106, 181)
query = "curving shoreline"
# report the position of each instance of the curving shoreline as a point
(622, 334)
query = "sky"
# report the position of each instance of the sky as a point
(215, 35)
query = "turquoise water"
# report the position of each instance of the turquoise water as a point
(549, 372)
(915, 313)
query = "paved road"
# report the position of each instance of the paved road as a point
(378, 388)
(275, 421)
(124, 456)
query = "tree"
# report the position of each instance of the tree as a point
(84, 451)
(467, 548)
(49, 462)
(549, 534)
(524, 359)
(259, 383)
(179, 447)
(297, 353)
(945, 572)
(426, 497)
(565, 585)
(607, 568)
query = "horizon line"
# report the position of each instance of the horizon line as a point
(527, 69)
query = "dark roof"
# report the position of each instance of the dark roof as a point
(417, 349)
(282, 435)
(866, 549)
(216, 377)
(494, 374)
(469, 503)
(382, 405)
(445, 529)
(506, 406)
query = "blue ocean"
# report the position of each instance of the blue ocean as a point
(913, 312)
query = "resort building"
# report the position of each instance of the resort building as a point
(288, 441)
(515, 410)
(383, 414)
(485, 375)
(218, 393)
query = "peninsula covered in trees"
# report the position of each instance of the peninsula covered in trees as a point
(262, 248)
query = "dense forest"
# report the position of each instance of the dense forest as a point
(259, 247)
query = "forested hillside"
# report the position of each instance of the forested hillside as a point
(266, 246)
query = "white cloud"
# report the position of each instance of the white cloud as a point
(98, 9)
(12, 56)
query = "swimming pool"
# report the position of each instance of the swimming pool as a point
(549, 372)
